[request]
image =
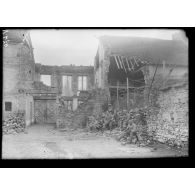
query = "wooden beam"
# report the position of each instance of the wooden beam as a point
(152, 82)
(163, 72)
(128, 64)
(127, 93)
(117, 57)
(116, 62)
(124, 87)
(134, 96)
(117, 95)
(136, 62)
(123, 64)
(132, 66)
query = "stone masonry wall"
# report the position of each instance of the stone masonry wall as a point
(92, 105)
(57, 72)
(18, 68)
(63, 115)
(171, 122)
(18, 76)
(20, 102)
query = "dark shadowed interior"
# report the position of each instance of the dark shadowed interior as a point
(136, 77)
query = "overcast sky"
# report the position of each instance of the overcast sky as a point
(65, 47)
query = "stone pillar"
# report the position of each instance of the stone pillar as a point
(146, 79)
(57, 113)
(74, 84)
(59, 81)
(74, 103)
(53, 83)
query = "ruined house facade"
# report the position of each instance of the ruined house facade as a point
(135, 59)
(25, 91)
(66, 91)
(131, 62)
(73, 93)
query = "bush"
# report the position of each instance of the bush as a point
(120, 122)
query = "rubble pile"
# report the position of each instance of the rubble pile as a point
(118, 123)
(14, 123)
(151, 127)
(172, 134)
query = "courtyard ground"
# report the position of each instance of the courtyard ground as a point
(45, 142)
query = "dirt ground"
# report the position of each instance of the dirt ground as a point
(45, 142)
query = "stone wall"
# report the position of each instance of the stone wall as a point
(101, 99)
(63, 115)
(92, 104)
(72, 118)
(178, 70)
(57, 72)
(170, 123)
(18, 74)
(20, 102)
(18, 68)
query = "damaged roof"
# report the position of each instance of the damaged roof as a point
(150, 49)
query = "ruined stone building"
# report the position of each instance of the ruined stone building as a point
(131, 62)
(119, 59)
(67, 95)
(25, 91)
(66, 89)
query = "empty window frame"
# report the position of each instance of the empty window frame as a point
(8, 106)
(66, 83)
(82, 83)
(46, 79)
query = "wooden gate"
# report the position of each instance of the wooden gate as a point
(45, 111)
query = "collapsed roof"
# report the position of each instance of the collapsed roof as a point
(149, 49)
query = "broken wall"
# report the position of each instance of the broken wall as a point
(101, 69)
(103, 66)
(57, 72)
(20, 102)
(178, 70)
(171, 123)
(63, 115)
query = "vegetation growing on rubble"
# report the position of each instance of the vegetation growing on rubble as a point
(119, 123)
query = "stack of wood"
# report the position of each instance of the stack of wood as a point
(14, 123)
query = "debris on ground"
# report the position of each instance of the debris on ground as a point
(125, 126)
(138, 126)
(14, 123)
